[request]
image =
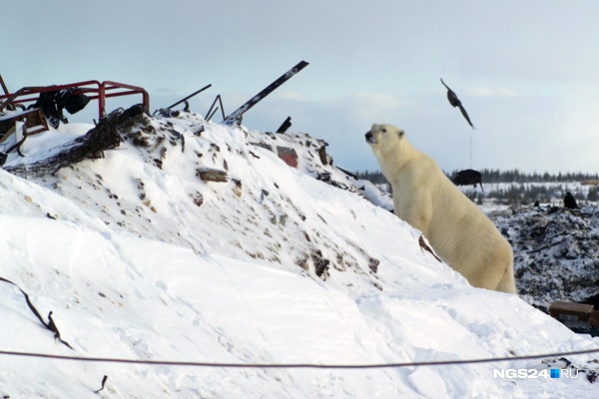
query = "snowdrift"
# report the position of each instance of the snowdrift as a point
(194, 241)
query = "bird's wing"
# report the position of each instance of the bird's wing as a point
(465, 115)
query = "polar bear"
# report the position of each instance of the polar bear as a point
(455, 227)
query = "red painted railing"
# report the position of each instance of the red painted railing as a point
(91, 88)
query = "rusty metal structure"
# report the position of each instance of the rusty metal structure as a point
(24, 112)
(32, 110)
(94, 89)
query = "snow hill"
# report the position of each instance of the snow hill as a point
(194, 241)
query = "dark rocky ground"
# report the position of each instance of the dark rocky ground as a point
(556, 253)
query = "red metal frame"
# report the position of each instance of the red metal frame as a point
(92, 88)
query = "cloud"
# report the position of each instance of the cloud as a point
(492, 92)
(379, 100)
(292, 96)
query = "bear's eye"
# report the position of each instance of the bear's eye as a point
(384, 130)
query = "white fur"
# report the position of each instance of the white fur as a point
(455, 227)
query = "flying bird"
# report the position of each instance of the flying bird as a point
(455, 102)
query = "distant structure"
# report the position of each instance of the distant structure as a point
(570, 201)
(455, 102)
(468, 177)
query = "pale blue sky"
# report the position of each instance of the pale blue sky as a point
(526, 71)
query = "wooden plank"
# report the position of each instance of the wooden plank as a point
(561, 310)
(34, 119)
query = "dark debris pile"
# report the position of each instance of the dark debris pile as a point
(556, 253)
(105, 136)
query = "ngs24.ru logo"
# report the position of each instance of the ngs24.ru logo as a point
(534, 373)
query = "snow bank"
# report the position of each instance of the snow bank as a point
(140, 258)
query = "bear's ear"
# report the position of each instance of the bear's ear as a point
(402, 133)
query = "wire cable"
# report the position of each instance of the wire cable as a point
(292, 365)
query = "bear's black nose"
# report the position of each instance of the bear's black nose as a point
(368, 136)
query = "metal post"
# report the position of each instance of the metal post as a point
(4, 86)
(285, 125)
(236, 115)
(189, 96)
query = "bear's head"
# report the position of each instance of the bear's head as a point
(383, 137)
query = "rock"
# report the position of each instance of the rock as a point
(321, 265)
(198, 199)
(373, 264)
(237, 187)
(214, 175)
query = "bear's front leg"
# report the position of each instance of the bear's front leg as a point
(418, 213)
